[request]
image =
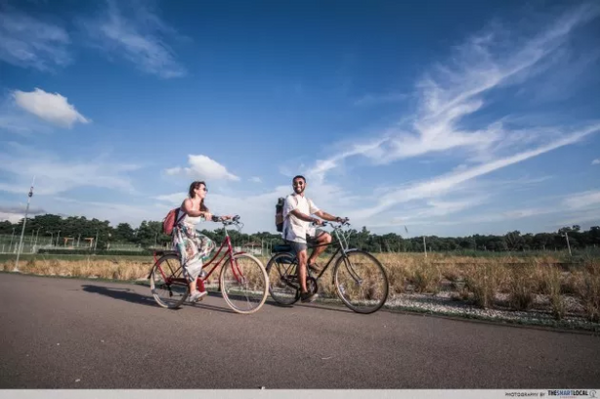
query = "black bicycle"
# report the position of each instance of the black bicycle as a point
(359, 279)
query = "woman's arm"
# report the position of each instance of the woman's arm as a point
(187, 207)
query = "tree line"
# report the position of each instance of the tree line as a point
(149, 234)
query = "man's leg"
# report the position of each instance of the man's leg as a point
(321, 242)
(302, 255)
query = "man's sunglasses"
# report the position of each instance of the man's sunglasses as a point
(298, 183)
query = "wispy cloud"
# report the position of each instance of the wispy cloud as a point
(596, 162)
(203, 168)
(21, 209)
(583, 200)
(574, 208)
(115, 212)
(457, 89)
(255, 179)
(55, 175)
(29, 42)
(446, 183)
(448, 97)
(140, 37)
(53, 108)
(321, 167)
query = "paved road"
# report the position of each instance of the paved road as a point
(64, 333)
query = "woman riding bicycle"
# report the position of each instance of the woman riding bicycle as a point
(192, 246)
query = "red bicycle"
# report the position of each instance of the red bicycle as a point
(243, 281)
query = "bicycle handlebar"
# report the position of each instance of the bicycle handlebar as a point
(233, 220)
(343, 222)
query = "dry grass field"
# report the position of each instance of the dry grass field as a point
(514, 283)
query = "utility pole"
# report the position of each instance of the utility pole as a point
(96, 242)
(11, 240)
(31, 241)
(16, 269)
(424, 246)
(36, 238)
(568, 245)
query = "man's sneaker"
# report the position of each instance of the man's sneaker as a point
(196, 295)
(308, 297)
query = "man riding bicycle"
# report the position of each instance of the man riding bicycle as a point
(298, 232)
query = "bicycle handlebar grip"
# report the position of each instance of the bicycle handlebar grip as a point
(215, 218)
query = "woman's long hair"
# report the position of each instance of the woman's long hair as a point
(194, 186)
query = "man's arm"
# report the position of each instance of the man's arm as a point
(327, 216)
(303, 216)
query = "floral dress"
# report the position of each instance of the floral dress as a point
(192, 246)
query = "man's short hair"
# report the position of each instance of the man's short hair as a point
(299, 177)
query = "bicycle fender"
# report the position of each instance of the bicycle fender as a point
(345, 252)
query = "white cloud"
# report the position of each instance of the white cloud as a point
(53, 108)
(55, 175)
(15, 213)
(174, 199)
(141, 39)
(583, 200)
(31, 43)
(203, 168)
(255, 179)
(114, 212)
(596, 162)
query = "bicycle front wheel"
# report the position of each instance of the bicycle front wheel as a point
(244, 283)
(167, 283)
(283, 279)
(360, 281)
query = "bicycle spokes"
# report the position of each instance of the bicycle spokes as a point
(361, 282)
(244, 283)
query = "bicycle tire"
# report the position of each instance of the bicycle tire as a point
(282, 274)
(361, 296)
(245, 283)
(168, 295)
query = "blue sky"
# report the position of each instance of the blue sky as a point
(447, 118)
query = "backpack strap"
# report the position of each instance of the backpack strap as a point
(287, 217)
(179, 215)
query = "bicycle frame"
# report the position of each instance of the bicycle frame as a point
(342, 240)
(200, 280)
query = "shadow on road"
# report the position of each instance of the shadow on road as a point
(315, 305)
(127, 294)
(124, 294)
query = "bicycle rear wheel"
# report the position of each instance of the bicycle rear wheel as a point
(167, 283)
(361, 282)
(283, 279)
(244, 283)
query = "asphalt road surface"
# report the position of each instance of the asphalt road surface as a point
(67, 333)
